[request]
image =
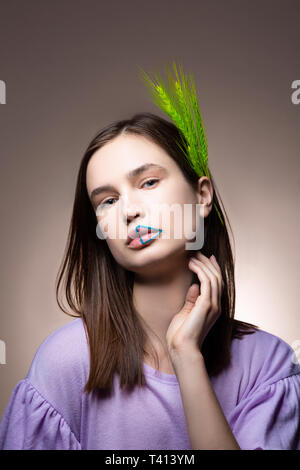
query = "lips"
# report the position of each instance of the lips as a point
(139, 231)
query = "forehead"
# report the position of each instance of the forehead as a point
(125, 148)
(123, 154)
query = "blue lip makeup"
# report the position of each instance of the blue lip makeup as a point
(146, 237)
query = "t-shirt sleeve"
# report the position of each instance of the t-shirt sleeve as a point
(267, 415)
(269, 419)
(44, 410)
(30, 422)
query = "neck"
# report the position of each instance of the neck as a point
(160, 294)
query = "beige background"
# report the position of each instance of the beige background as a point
(70, 68)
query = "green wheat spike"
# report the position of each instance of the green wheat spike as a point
(179, 101)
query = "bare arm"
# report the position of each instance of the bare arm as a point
(207, 426)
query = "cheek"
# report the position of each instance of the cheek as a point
(114, 248)
(178, 220)
(110, 225)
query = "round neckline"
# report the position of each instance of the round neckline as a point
(159, 375)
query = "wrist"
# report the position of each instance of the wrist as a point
(186, 355)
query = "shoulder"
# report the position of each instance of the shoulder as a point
(60, 367)
(263, 358)
(63, 350)
(45, 407)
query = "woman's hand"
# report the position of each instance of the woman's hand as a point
(190, 326)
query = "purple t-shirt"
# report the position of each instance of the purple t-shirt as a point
(259, 394)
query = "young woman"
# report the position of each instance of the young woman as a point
(154, 358)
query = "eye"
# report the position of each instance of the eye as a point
(153, 179)
(105, 203)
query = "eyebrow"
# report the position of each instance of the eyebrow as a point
(130, 176)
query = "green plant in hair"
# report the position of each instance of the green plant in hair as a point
(179, 101)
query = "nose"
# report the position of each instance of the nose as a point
(131, 210)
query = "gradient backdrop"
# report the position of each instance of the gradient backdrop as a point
(71, 67)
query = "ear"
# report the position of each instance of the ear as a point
(205, 194)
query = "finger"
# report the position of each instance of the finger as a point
(216, 264)
(208, 262)
(215, 286)
(214, 261)
(214, 267)
(191, 297)
(204, 279)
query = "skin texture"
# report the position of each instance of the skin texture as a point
(162, 273)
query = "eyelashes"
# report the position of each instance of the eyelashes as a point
(106, 203)
(152, 179)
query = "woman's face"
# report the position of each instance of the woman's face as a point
(154, 197)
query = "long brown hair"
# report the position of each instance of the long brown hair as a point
(99, 290)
